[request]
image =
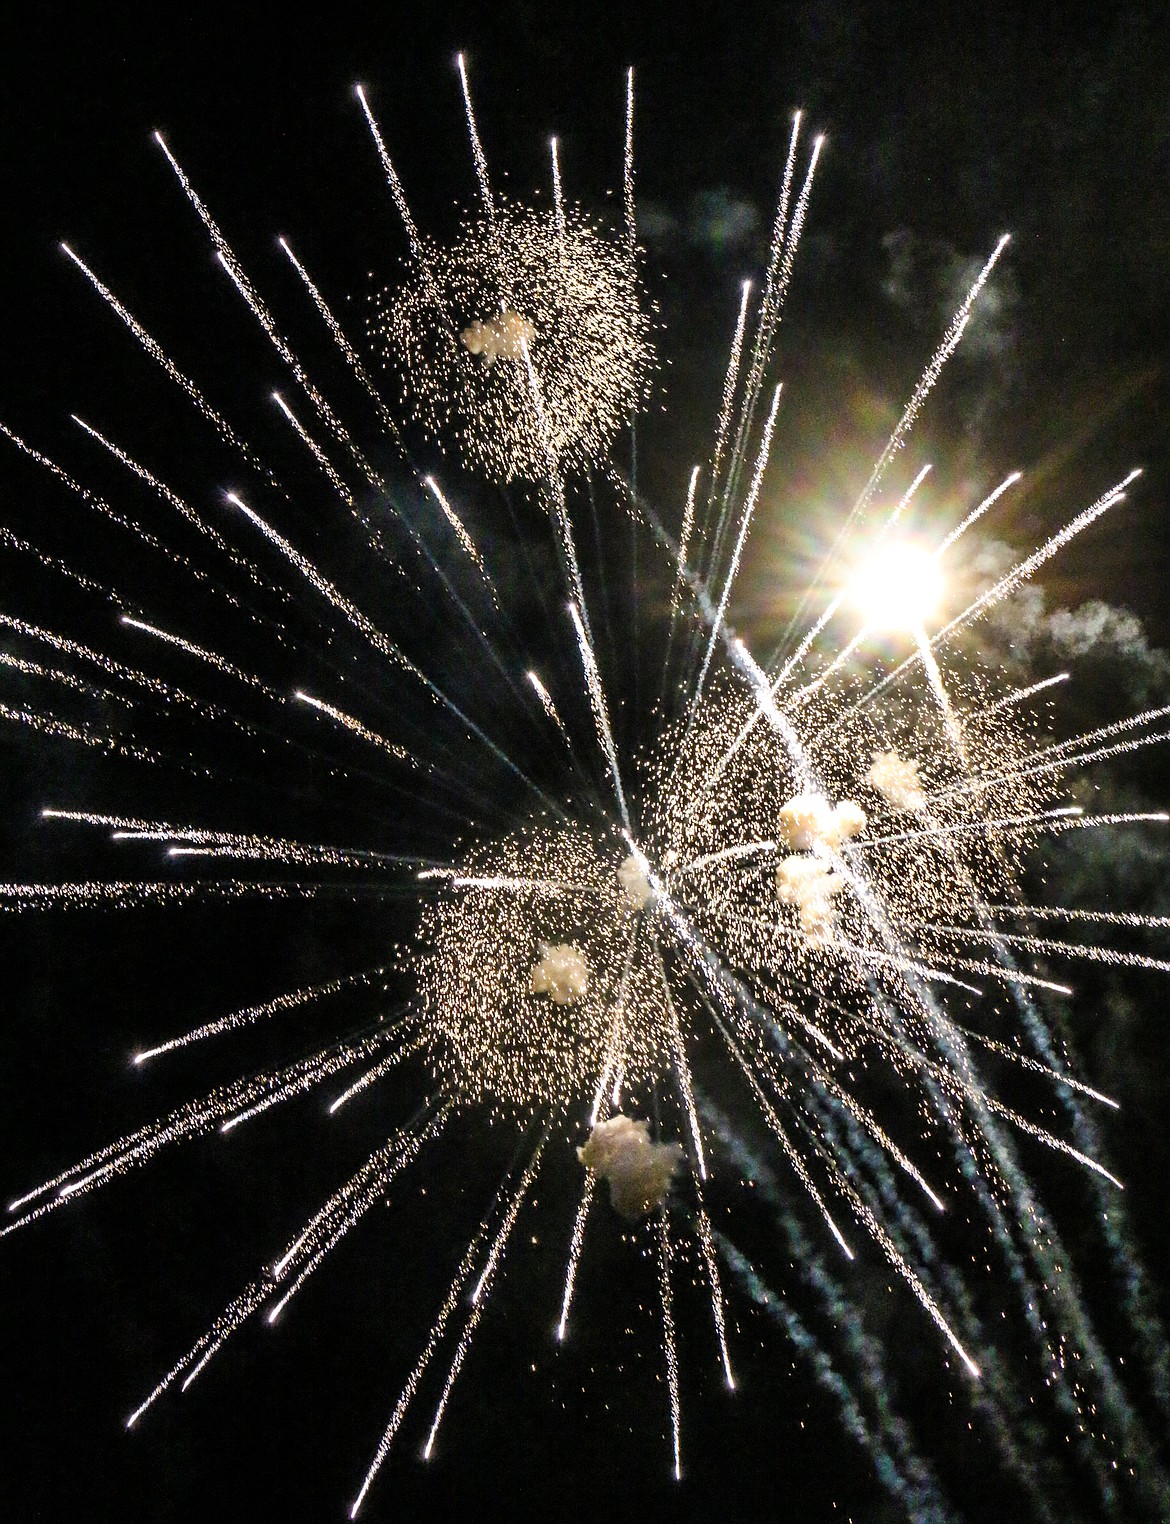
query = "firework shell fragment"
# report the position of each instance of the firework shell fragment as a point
(809, 821)
(561, 972)
(639, 1172)
(896, 779)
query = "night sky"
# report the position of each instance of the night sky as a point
(946, 126)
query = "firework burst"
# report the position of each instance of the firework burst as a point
(777, 937)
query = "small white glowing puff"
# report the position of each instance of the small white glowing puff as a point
(812, 826)
(639, 1172)
(897, 780)
(809, 821)
(498, 338)
(560, 972)
(810, 884)
(635, 883)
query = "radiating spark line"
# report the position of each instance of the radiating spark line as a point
(771, 308)
(328, 469)
(196, 520)
(558, 193)
(726, 854)
(356, 1197)
(977, 513)
(575, 1245)
(905, 964)
(600, 711)
(51, 563)
(790, 1153)
(392, 179)
(478, 1301)
(377, 639)
(1018, 695)
(908, 1274)
(942, 698)
(902, 504)
(355, 725)
(343, 344)
(133, 894)
(367, 1185)
(99, 505)
(1067, 913)
(682, 1068)
(793, 661)
(263, 848)
(729, 383)
(560, 507)
(109, 665)
(1007, 584)
(771, 303)
(159, 355)
(745, 524)
(477, 154)
(235, 1101)
(1064, 754)
(1024, 569)
(1036, 1067)
(298, 1078)
(628, 173)
(206, 1346)
(459, 880)
(449, 1304)
(64, 679)
(670, 1348)
(610, 1062)
(546, 702)
(838, 663)
(710, 1261)
(49, 725)
(376, 1073)
(250, 1014)
(458, 526)
(684, 541)
(947, 347)
(1011, 976)
(227, 258)
(211, 657)
(966, 828)
(181, 507)
(359, 1193)
(882, 1138)
(1092, 953)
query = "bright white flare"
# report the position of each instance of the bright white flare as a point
(898, 587)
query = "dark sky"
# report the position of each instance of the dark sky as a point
(946, 126)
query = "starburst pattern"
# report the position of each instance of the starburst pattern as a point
(791, 896)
